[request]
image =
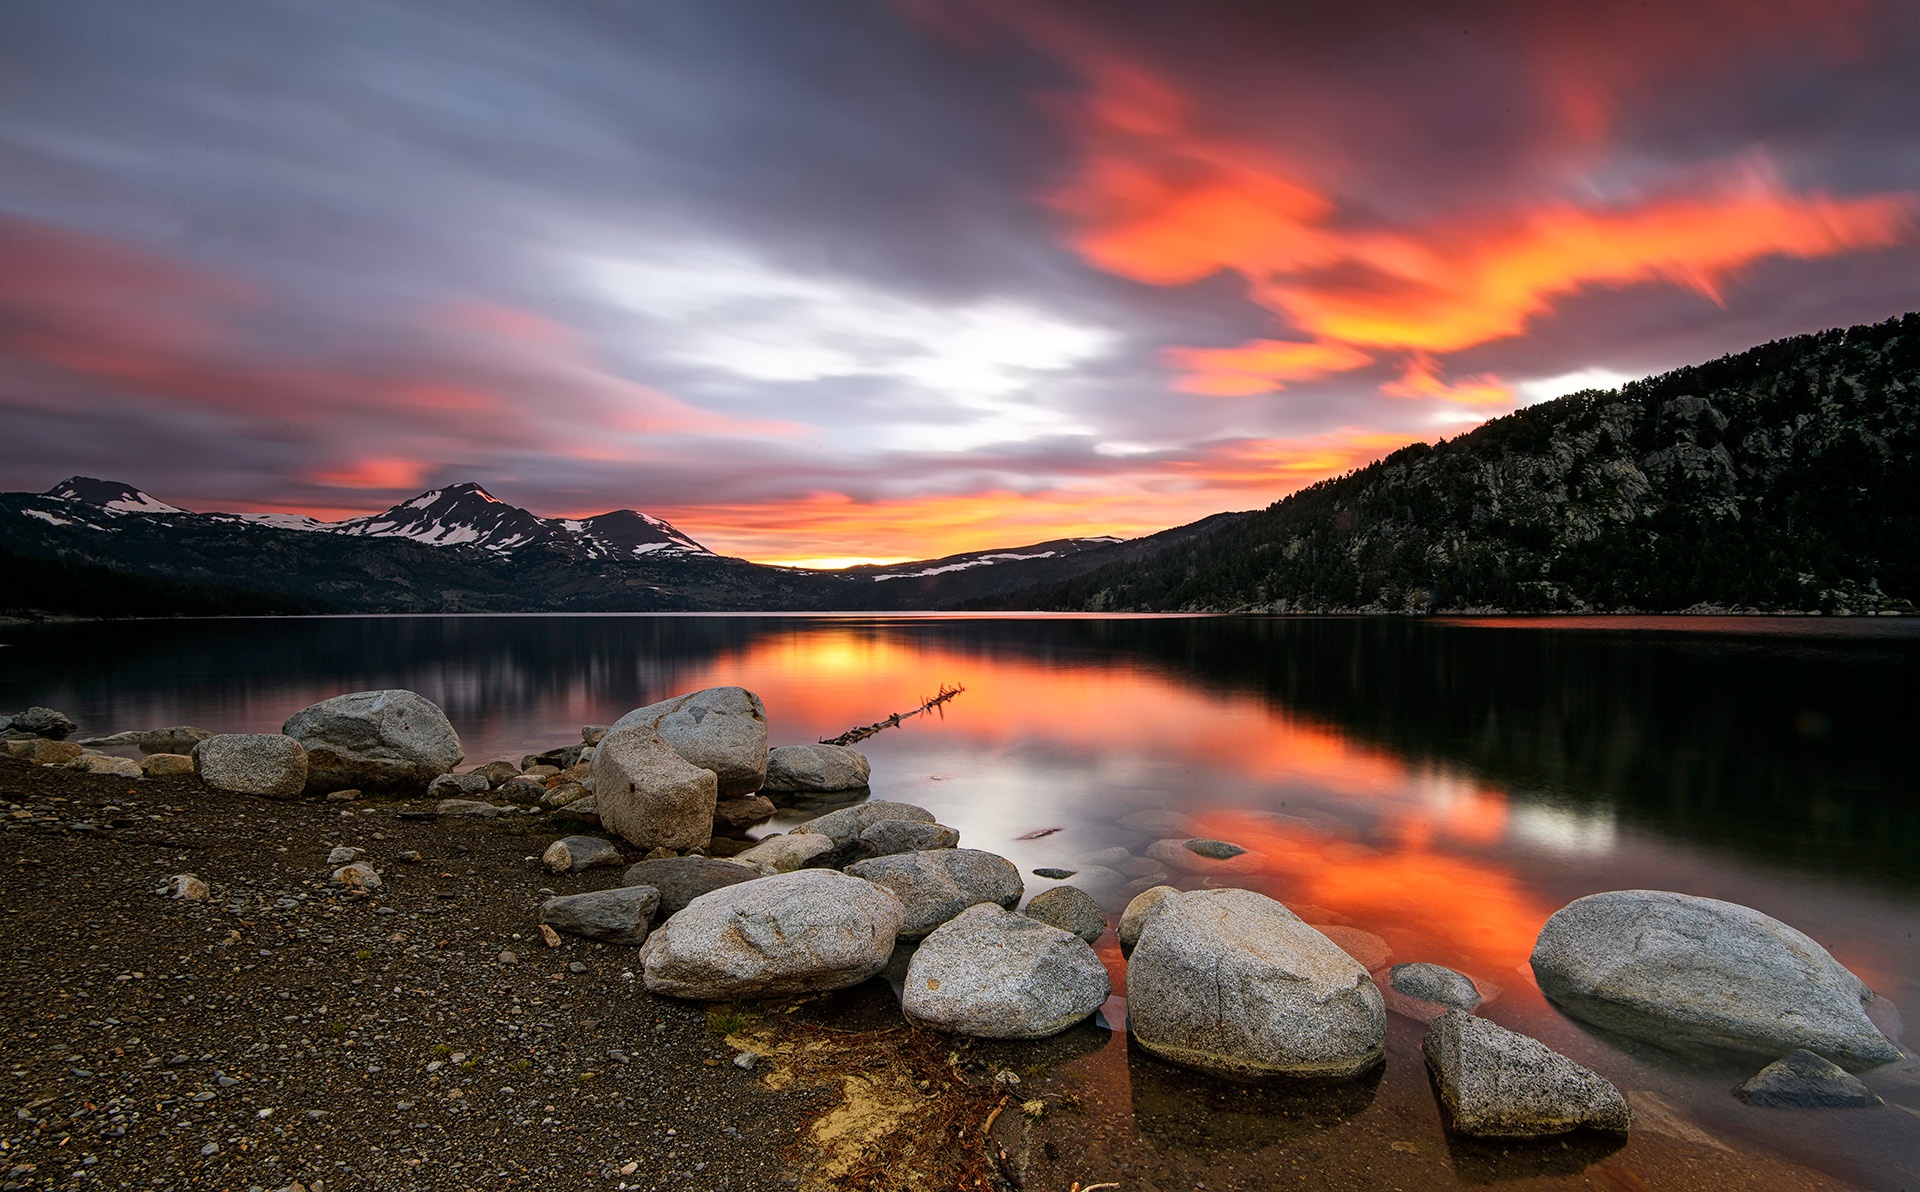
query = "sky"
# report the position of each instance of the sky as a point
(865, 280)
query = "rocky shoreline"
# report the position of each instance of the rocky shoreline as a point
(772, 947)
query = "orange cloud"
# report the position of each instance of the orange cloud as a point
(1422, 380)
(1260, 366)
(376, 474)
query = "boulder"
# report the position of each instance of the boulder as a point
(180, 739)
(374, 740)
(497, 772)
(1434, 983)
(815, 769)
(1677, 970)
(813, 929)
(1497, 1083)
(935, 885)
(846, 825)
(1071, 909)
(741, 813)
(458, 786)
(106, 765)
(992, 974)
(722, 729)
(571, 854)
(786, 853)
(619, 916)
(166, 765)
(523, 791)
(1804, 1080)
(41, 722)
(680, 880)
(1234, 984)
(891, 836)
(565, 794)
(44, 752)
(649, 794)
(1134, 918)
(469, 809)
(539, 774)
(252, 764)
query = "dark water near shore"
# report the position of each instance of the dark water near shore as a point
(1443, 785)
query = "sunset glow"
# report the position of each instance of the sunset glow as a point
(1021, 272)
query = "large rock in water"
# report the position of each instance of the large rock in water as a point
(374, 740)
(1233, 983)
(39, 722)
(804, 769)
(649, 794)
(813, 929)
(1497, 1083)
(1804, 1080)
(992, 974)
(252, 764)
(723, 729)
(178, 739)
(1674, 969)
(936, 885)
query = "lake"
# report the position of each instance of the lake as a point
(1444, 785)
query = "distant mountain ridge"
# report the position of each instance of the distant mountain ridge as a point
(1783, 478)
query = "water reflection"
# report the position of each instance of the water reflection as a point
(1443, 787)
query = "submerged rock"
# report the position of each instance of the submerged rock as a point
(1216, 850)
(814, 929)
(1369, 949)
(722, 729)
(1435, 983)
(1233, 983)
(179, 739)
(936, 885)
(845, 826)
(623, 915)
(1497, 1083)
(992, 974)
(1674, 969)
(252, 764)
(815, 769)
(1804, 1080)
(39, 722)
(375, 740)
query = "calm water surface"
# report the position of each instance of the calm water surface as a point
(1443, 785)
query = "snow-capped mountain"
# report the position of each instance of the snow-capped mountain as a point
(1055, 549)
(459, 515)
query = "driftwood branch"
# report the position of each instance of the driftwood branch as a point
(893, 721)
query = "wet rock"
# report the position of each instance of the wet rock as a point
(680, 880)
(786, 853)
(470, 808)
(522, 791)
(814, 929)
(1111, 858)
(1134, 918)
(180, 739)
(1233, 983)
(722, 729)
(458, 786)
(1434, 983)
(253, 764)
(649, 794)
(571, 854)
(1103, 883)
(1158, 822)
(187, 887)
(846, 825)
(106, 765)
(1677, 970)
(936, 885)
(741, 813)
(815, 769)
(1369, 949)
(356, 876)
(892, 836)
(1175, 855)
(376, 740)
(1804, 1080)
(1054, 873)
(167, 765)
(1215, 850)
(619, 916)
(39, 722)
(1070, 909)
(992, 974)
(1497, 1083)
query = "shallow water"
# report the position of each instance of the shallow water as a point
(1442, 785)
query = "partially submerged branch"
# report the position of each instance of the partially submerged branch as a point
(893, 721)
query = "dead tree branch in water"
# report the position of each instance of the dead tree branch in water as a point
(893, 721)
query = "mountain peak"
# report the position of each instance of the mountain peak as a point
(111, 495)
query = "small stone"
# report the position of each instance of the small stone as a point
(1434, 983)
(507, 957)
(573, 854)
(344, 855)
(524, 790)
(166, 765)
(745, 1060)
(1216, 850)
(1053, 873)
(467, 807)
(548, 934)
(357, 876)
(188, 887)
(212, 1148)
(346, 796)
(743, 812)
(1804, 1080)
(410, 857)
(576, 967)
(454, 786)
